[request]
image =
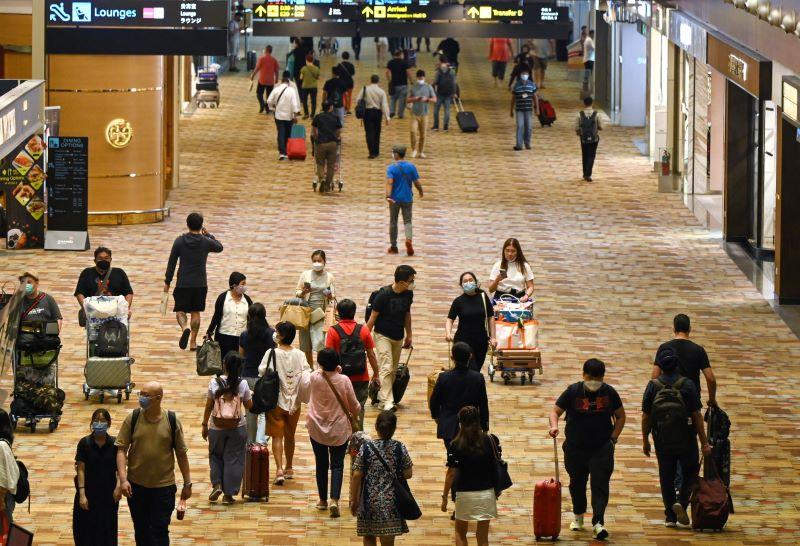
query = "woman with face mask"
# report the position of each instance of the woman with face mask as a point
(230, 314)
(36, 305)
(316, 287)
(475, 315)
(94, 516)
(512, 274)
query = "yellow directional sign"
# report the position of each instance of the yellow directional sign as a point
(473, 12)
(380, 12)
(367, 11)
(260, 11)
(486, 12)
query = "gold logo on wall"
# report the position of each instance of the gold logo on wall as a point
(119, 133)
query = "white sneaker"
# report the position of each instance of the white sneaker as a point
(421, 155)
(600, 532)
(414, 153)
(577, 523)
(670, 524)
(680, 512)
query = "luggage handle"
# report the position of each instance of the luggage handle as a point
(555, 454)
(459, 104)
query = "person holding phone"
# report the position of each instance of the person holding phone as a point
(316, 287)
(512, 274)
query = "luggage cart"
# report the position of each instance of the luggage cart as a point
(512, 361)
(107, 375)
(317, 183)
(34, 376)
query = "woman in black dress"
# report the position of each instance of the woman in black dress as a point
(475, 315)
(94, 516)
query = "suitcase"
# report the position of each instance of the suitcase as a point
(296, 148)
(252, 58)
(205, 75)
(547, 114)
(206, 98)
(298, 131)
(256, 473)
(547, 505)
(207, 86)
(108, 373)
(401, 379)
(466, 120)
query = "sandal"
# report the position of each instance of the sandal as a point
(279, 479)
(288, 474)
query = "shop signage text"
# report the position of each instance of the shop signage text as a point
(737, 67)
(742, 68)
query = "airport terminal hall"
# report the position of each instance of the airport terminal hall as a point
(399, 272)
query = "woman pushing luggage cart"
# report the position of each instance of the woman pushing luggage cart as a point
(108, 360)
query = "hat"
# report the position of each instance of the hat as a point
(399, 149)
(667, 359)
(29, 273)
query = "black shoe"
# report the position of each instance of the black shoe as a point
(517, 148)
(184, 341)
(527, 146)
(260, 110)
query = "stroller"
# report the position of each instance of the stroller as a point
(317, 184)
(108, 360)
(35, 368)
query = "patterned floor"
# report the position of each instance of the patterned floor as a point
(614, 261)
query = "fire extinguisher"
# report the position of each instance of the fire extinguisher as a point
(665, 162)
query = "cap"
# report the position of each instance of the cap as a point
(667, 359)
(29, 273)
(399, 149)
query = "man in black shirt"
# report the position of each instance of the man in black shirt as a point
(595, 418)
(450, 49)
(397, 74)
(103, 280)
(389, 319)
(347, 72)
(670, 453)
(333, 91)
(326, 129)
(692, 358)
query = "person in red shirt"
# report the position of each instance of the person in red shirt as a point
(350, 359)
(500, 51)
(267, 69)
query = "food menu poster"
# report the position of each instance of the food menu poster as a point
(22, 179)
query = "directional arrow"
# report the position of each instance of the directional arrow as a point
(260, 11)
(473, 12)
(367, 11)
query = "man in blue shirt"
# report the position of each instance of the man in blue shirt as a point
(524, 102)
(400, 176)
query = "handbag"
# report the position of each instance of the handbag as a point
(361, 105)
(403, 498)
(350, 417)
(102, 287)
(502, 477)
(209, 358)
(266, 391)
(299, 315)
(317, 314)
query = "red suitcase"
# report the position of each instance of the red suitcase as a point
(256, 473)
(547, 505)
(296, 148)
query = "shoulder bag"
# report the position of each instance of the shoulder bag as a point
(350, 417)
(502, 478)
(403, 498)
(267, 389)
(361, 105)
(103, 286)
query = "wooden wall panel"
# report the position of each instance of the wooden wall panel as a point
(15, 29)
(104, 71)
(16, 66)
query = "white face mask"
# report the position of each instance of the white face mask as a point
(523, 77)
(318, 266)
(421, 81)
(275, 337)
(593, 386)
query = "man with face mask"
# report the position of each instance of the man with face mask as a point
(419, 97)
(595, 418)
(524, 103)
(103, 280)
(148, 443)
(446, 87)
(36, 305)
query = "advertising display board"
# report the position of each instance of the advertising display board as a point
(67, 193)
(22, 179)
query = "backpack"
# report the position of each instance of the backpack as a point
(173, 423)
(112, 339)
(446, 85)
(265, 391)
(226, 412)
(352, 355)
(588, 128)
(669, 417)
(371, 300)
(23, 485)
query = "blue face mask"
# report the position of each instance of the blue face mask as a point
(469, 287)
(145, 401)
(29, 289)
(99, 428)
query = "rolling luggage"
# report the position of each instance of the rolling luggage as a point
(207, 86)
(256, 473)
(208, 98)
(467, 121)
(547, 505)
(108, 373)
(547, 114)
(252, 58)
(296, 148)
(401, 379)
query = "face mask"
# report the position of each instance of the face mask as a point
(469, 287)
(524, 77)
(411, 285)
(445, 67)
(240, 289)
(103, 265)
(592, 386)
(99, 428)
(145, 401)
(421, 81)
(318, 266)
(29, 289)
(275, 337)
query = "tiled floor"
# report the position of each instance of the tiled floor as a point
(614, 261)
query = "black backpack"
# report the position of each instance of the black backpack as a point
(588, 128)
(112, 339)
(446, 85)
(371, 300)
(265, 391)
(352, 355)
(669, 418)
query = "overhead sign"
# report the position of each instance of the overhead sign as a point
(137, 13)
(511, 12)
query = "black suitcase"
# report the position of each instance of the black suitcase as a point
(467, 121)
(207, 86)
(401, 379)
(251, 60)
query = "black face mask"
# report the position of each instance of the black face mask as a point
(103, 265)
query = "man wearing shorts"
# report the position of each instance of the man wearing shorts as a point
(192, 250)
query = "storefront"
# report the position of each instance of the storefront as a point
(787, 217)
(659, 82)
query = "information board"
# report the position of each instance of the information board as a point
(508, 11)
(22, 183)
(67, 193)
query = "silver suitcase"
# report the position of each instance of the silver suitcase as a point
(108, 373)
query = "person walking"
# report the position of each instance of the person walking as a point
(588, 60)
(524, 103)
(347, 72)
(326, 128)
(472, 474)
(234, 28)
(149, 441)
(96, 507)
(299, 52)
(476, 326)
(376, 513)
(291, 365)
(390, 320)
(427, 43)
(285, 101)
(541, 52)
(268, 70)
(102, 280)
(332, 407)
(309, 80)
(316, 287)
(523, 63)
(397, 74)
(230, 314)
(456, 389)
(333, 91)
(9, 470)
(587, 127)
(254, 342)
(512, 274)
(446, 87)
(354, 344)
(500, 51)
(595, 419)
(224, 427)
(381, 46)
(669, 404)
(191, 250)
(449, 48)
(377, 107)
(355, 43)
(400, 176)
(419, 96)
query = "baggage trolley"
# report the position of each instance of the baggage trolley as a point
(115, 380)
(512, 361)
(34, 376)
(317, 183)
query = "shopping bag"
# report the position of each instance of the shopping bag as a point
(299, 315)
(510, 309)
(517, 335)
